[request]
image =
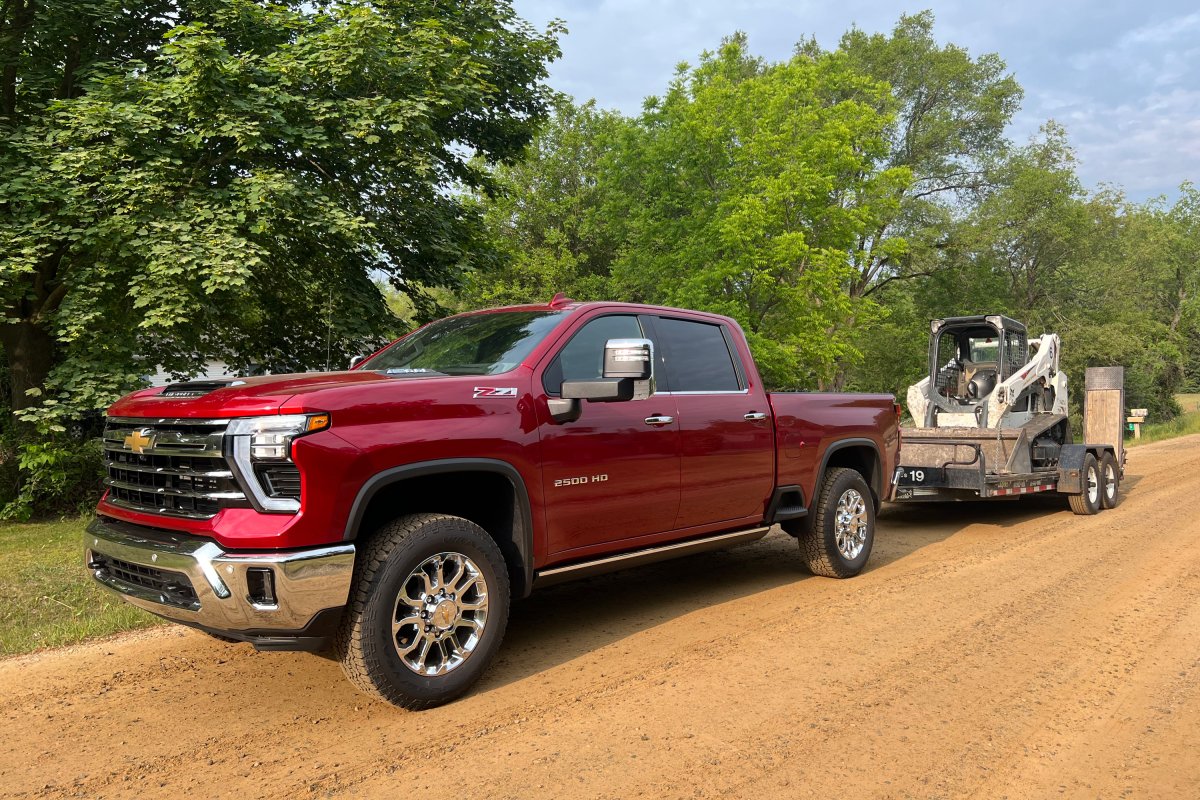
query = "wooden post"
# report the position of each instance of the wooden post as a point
(1137, 416)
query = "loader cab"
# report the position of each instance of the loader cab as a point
(968, 358)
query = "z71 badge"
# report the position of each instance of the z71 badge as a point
(495, 391)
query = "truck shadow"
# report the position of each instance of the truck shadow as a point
(556, 625)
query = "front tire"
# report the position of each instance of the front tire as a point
(1110, 481)
(838, 542)
(1087, 502)
(427, 611)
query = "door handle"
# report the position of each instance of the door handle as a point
(658, 421)
(755, 416)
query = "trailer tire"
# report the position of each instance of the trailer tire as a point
(838, 542)
(1110, 481)
(1087, 502)
(421, 582)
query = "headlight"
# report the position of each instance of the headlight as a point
(257, 441)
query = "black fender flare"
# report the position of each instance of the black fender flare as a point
(875, 480)
(522, 533)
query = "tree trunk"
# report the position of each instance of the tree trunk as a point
(29, 349)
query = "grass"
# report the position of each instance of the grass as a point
(1186, 423)
(47, 598)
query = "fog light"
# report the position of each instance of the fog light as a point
(260, 584)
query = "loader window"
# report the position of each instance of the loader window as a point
(984, 349)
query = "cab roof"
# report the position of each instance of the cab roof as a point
(997, 321)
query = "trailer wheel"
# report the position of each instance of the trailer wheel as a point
(1110, 481)
(1087, 501)
(427, 610)
(838, 542)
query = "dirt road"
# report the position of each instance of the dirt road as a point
(1009, 650)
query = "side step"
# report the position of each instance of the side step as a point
(650, 555)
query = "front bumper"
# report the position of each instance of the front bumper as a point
(275, 600)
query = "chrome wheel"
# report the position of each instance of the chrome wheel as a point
(440, 614)
(850, 524)
(1110, 481)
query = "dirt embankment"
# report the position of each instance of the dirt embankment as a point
(1002, 650)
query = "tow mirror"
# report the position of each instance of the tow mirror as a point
(628, 375)
(354, 362)
(629, 358)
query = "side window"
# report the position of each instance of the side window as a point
(698, 359)
(583, 357)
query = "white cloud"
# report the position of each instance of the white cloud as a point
(1123, 77)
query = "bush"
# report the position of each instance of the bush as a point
(54, 478)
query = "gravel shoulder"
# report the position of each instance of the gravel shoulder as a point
(990, 650)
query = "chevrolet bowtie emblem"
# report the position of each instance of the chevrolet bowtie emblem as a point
(139, 440)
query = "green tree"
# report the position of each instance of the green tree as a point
(949, 126)
(222, 178)
(747, 189)
(549, 220)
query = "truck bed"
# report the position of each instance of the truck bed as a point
(807, 423)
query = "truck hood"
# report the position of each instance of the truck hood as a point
(240, 397)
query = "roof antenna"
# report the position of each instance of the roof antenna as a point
(561, 301)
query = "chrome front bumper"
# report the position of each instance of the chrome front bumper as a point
(191, 580)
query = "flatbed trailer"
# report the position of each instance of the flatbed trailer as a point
(949, 464)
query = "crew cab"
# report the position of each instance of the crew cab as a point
(389, 513)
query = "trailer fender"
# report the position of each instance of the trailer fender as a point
(1070, 468)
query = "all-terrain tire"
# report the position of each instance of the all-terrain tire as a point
(1087, 502)
(366, 644)
(839, 547)
(1110, 481)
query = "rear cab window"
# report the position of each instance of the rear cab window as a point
(698, 356)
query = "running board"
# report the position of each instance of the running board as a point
(636, 558)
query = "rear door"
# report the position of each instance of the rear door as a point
(613, 474)
(727, 440)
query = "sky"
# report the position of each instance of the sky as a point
(1122, 77)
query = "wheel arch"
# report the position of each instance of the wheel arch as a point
(861, 455)
(497, 500)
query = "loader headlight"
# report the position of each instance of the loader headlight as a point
(258, 440)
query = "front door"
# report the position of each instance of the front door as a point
(613, 474)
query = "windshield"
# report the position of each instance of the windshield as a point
(984, 348)
(477, 344)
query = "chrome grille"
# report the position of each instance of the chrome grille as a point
(174, 467)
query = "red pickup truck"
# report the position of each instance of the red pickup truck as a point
(390, 512)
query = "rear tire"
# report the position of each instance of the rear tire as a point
(427, 610)
(1110, 481)
(838, 542)
(1087, 502)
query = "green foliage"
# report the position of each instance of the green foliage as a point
(550, 223)
(222, 179)
(744, 189)
(57, 477)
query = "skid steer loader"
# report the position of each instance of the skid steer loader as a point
(990, 420)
